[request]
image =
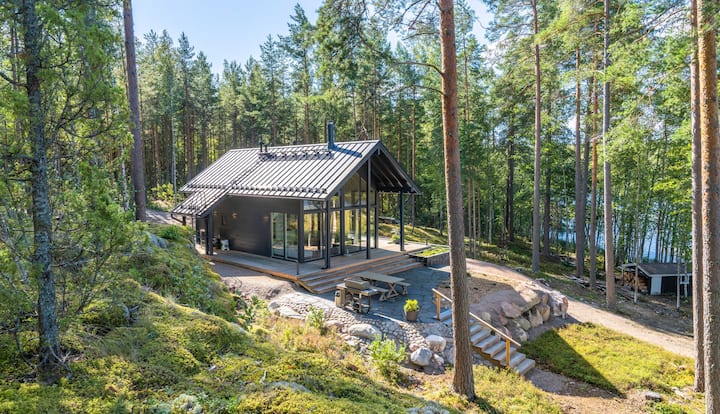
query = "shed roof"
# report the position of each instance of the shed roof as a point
(308, 172)
(663, 269)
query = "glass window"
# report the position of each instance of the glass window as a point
(312, 239)
(352, 191)
(312, 205)
(335, 232)
(335, 201)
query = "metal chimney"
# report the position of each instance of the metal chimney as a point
(331, 135)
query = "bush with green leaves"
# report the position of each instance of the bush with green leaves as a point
(386, 356)
(316, 318)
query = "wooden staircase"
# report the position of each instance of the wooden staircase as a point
(495, 346)
(326, 280)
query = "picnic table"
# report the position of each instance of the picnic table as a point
(358, 299)
(395, 285)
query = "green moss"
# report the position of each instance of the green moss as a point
(611, 360)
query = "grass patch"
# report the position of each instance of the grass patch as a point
(611, 360)
(432, 251)
(418, 234)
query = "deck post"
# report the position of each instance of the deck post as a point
(209, 235)
(328, 244)
(402, 222)
(367, 210)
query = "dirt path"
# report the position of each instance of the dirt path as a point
(583, 312)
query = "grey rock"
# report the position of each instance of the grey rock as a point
(523, 323)
(449, 355)
(364, 330)
(334, 324)
(510, 310)
(436, 343)
(486, 316)
(427, 409)
(519, 334)
(559, 304)
(544, 311)
(421, 357)
(529, 296)
(652, 396)
(536, 318)
(288, 312)
(157, 241)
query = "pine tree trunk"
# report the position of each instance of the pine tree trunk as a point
(137, 166)
(538, 153)
(579, 180)
(710, 144)
(510, 184)
(463, 382)
(49, 347)
(609, 258)
(697, 261)
(592, 239)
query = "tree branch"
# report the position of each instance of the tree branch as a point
(10, 80)
(429, 65)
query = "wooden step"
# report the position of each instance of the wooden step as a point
(479, 336)
(494, 349)
(475, 328)
(446, 315)
(403, 268)
(516, 358)
(486, 343)
(525, 366)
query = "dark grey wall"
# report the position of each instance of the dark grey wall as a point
(245, 221)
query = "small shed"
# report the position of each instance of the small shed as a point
(659, 278)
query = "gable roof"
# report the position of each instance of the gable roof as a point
(308, 172)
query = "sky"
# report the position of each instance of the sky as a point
(231, 29)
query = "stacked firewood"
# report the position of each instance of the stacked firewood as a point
(628, 279)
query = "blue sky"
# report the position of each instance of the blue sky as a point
(229, 29)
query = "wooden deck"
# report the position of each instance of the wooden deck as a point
(387, 258)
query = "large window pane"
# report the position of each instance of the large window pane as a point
(291, 233)
(352, 191)
(335, 235)
(312, 239)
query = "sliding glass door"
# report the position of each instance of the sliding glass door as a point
(284, 235)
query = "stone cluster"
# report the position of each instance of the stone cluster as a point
(428, 344)
(518, 310)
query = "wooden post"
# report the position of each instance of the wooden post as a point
(367, 210)
(402, 222)
(437, 304)
(507, 353)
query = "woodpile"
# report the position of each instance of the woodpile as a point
(628, 280)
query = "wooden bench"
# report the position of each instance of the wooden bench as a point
(382, 291)
(405, 286)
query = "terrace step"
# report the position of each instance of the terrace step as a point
(492, 347)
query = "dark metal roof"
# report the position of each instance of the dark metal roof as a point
(309, 172)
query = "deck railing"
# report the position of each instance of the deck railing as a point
(439, 298)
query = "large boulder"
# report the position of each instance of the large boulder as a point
(511, 310)
(523, 323)
(421, 357)
(544, 311)
(436, 343)
(530, 296)
(519, 334)
(363, 330)
(535, 318)
(559, 304)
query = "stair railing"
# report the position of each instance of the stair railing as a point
(439, 298)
